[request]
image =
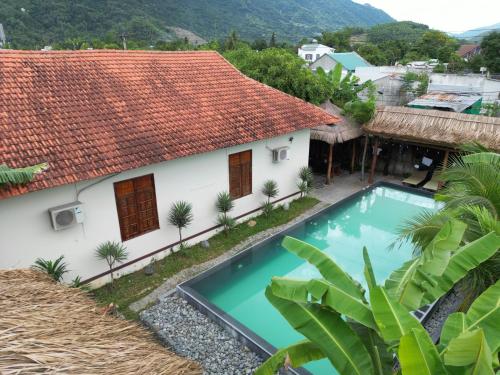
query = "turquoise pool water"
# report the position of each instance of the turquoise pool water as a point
(369, 220)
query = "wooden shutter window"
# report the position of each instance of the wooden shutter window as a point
(136, 206)
(240, 174)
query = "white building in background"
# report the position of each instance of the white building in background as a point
(121, 148)
(488, 88)
(312, 52)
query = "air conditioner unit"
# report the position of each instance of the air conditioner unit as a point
(66, 215)
(281, 154)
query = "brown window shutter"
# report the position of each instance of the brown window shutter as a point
(240, 174)
(136, 206)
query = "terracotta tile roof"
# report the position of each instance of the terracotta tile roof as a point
(93, 113)
(467, 48)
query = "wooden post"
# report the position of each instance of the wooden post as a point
(353, 157)
(374, 161)
(364, 159)
(329, 167)
(445, 159)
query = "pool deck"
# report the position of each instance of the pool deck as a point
(345, 185)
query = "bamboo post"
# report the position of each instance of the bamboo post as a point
(445, 159)
(330, 162)
(374, 161)
(364, 159)
(353, 157)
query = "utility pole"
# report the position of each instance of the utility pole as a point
(123, 35)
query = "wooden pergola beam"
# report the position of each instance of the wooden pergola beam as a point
(329, 174)
(374, 161)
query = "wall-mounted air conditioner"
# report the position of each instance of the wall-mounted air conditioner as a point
(66, 215)
(281, 154)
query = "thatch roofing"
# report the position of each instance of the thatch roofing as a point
(49, 328)
(344, 130)
(433, 127)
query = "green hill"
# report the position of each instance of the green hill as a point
(34, 23)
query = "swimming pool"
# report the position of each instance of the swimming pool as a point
(233, 292)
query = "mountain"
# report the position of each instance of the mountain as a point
(479, 32)
(34, 23)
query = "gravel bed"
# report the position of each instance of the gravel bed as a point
(448, 304)
(191, 334)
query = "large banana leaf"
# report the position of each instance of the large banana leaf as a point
(382, 359)
(454, 326)
(397, 283)
(393, 320)
(418, 355)
(325, 265)
(470, 349)
(19, 175)
(461, 262)
(331, 334)
(490, 158)
(329, 294)
(485, 313)
(437, 253)
(368, 270)
(295, 355)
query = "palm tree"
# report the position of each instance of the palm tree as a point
(112, 253)
(180, 216)
(471, 194)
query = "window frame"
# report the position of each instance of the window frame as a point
(249, 178)
(156, 224)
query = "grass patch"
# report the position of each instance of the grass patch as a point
(134, 286)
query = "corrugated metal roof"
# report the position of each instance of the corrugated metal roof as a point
(456, 102)
(349, 60)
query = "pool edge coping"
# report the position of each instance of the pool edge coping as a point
(239, 331)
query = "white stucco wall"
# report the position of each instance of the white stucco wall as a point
(317, 51)
(26, 232)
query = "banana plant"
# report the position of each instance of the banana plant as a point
(359, 336)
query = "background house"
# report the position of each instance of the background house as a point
(312, 52)
(349, 61)
(127, 133)
(460, 103)
(467, 51)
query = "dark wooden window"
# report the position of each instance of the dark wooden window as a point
(136, 206)
(240, 174)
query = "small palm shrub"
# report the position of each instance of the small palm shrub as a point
(306, 181)
(270, 190)
(112, 253)
(55, 269)
(224, 205)
(180, 216)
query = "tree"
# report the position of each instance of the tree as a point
(281, 69)
(180, 216)
(231, 42)
(19, 176)
(372, 54)
(340, 40)
(437, 45)
(472, 195)
(360, 336)
(476, 63)
(112, 253)
(259, 44)
(490, 50)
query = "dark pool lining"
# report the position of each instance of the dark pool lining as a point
(239, 331)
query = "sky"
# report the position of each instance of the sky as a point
(447, 15)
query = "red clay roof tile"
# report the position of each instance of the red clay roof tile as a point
(92, 113)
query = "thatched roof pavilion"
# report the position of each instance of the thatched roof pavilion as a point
(447, 130)
(433, 128)
(47, 327)
(342, 131)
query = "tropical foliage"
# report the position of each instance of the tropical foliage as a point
(224, 204)
(490, 51)
(18, 176)
(305, 181)
(270, 190)
(112, 253)
(472, 195)
(360, 336)
(55, 269)
(180, 216)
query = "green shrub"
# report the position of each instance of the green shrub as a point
(55, 269)
(180, 216)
